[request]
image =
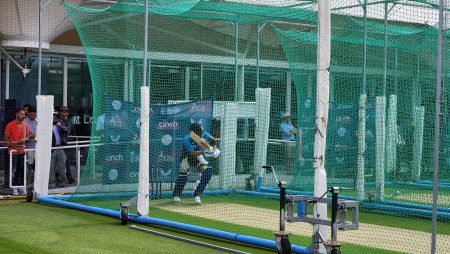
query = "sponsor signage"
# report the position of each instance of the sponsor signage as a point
(168, 125)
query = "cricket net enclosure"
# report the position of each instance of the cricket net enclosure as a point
(238, 68)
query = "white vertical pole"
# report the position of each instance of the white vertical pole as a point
(391, 135)
(380, 130)
(187, 81)
(360, 175)
(288, 91)
(419, 117)
(43, 144)
(143, 197)
(262, 123)
(227, 159)
(7, 75)
(323, 86)
(65, 62)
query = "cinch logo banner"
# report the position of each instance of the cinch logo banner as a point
(168, 125)
(120, 151)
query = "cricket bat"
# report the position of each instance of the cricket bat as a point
(200, 141)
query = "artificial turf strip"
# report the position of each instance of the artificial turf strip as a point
(262, 233)
(416, 224)
(39, 228)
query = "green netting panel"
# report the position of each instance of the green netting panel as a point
(256, 62)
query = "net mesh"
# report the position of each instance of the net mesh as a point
(238, 67)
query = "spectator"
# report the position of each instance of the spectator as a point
(58, 157)
(288, 132)
(68, 130)
(31, 122)
(25, 108)
(16, 132)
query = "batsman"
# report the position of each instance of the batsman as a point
(197, 144)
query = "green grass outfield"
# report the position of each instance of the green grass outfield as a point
(40, 228)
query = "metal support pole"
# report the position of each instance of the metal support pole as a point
(65, 81)
(78, 152)
(282, 186)
(365, 48)
(7, 76)
(1, 74)
(258, 48)
(201, 80)
(241, 83)
(41, 21)
(385, 48)
(334, 210)
(187, 79)
(416, 101)
(236, 66)
(396, 73)
(144, 74)
(125, 80)
(437, 126)
(288, 91)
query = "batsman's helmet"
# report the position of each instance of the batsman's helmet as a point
(196, 128)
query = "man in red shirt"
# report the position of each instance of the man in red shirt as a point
(16, 132)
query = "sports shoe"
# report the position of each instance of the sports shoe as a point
(176, 199)
(197, 200)
(15, 191)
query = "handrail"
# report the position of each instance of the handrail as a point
(77, 146)
(271, 140)
(83, 137)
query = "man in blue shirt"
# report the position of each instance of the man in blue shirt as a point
(287, 130)
(288, 133)
(192, 154)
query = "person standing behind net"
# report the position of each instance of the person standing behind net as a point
(192, 154)
(16, 132)
(31, 122)
(58, 157)
(288, 132)
(68, 129)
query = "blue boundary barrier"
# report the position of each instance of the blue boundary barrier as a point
(58, 200)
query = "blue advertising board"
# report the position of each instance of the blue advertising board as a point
(168, 125)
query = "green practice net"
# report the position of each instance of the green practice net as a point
(245, 71)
